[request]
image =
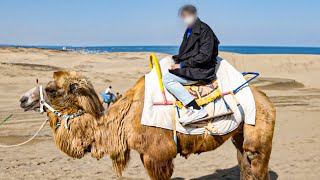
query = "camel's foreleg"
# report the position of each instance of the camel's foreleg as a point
(157, 168)
(120, 161)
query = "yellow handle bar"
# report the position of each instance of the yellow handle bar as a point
(153, 61)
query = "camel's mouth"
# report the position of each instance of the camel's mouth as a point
(88, 149)
(30, 100)
(27, 106)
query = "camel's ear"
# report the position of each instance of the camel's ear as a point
(73, 73)
(74, 88)
(57, 74)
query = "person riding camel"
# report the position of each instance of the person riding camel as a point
(108, 90)
(107, 96)
(195, 62)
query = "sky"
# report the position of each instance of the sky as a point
(156, 22)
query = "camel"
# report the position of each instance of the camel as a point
(118, 130)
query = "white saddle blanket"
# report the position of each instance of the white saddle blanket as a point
(228, 79)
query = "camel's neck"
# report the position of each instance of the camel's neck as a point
(111, 132)
(105, 133)
(121, 114)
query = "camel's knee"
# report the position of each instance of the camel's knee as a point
(255, 159)
(254, 165)
(158, 169)
(259, 164)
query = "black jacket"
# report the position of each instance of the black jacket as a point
(197, 54)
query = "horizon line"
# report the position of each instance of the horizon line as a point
(88, 46)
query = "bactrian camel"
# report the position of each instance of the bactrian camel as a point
(118, 130)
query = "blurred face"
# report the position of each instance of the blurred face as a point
(188, 18)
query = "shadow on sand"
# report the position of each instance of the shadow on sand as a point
(231, 173)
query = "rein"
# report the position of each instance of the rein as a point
(43, 104)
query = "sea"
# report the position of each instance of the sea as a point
(175, 49)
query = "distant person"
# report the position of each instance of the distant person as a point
(195, 62)
(108, 90)
(117, 97)
(107, 96)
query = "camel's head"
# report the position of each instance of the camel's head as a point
(67, 90)
(69, 93)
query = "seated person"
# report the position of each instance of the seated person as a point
(195, 62)
(108, 96)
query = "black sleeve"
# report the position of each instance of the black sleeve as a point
(206, 50)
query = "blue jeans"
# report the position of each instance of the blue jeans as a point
(174, 85)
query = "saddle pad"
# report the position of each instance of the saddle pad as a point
(228, 78)
(203, 93)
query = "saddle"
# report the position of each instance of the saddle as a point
(107, 97)
(203, 93)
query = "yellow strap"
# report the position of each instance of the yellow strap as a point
(194, 88)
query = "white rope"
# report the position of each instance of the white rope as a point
(20, 144)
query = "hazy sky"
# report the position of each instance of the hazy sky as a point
(155, 22)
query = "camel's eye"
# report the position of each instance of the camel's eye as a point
(74, 88)
(52, 92)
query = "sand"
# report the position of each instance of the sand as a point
(291, 81)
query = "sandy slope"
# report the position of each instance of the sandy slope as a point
(291, 81)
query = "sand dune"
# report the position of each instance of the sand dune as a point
(291, 81)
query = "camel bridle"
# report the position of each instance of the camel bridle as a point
(44, 104)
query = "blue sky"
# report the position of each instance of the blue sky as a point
(155, 22)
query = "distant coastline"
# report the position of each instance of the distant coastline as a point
(174, 49)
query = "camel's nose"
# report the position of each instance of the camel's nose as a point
(23, 99)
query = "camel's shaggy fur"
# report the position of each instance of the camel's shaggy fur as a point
(119, 130)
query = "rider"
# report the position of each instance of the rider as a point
(108, 90)
(107, 96)
(195, 62)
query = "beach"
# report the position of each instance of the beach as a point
(291, 82)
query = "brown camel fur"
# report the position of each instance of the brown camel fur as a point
(119, 130)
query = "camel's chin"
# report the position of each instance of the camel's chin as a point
(78, 154)
(29, 107)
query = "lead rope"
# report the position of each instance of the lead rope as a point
(25, 142)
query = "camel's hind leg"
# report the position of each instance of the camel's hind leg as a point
(244, 164)
(158, 169)
(257, 143)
